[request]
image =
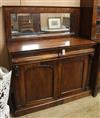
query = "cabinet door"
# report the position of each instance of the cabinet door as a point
(36, 83)
(11, 2)
(73, 75)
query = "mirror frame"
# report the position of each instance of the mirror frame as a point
(8, 10)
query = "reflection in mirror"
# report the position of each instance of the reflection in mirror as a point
(24, 24)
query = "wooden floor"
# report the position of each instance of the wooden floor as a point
(87, 107)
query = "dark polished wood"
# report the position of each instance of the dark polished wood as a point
(38, 83)
(86, 11)
(47, 76)
(96, 33)
(95, 83)
(90, 14)
(30, 108)
(73, 68)
(70, 42)
(48, 71)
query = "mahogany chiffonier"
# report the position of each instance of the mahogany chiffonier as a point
(51, 63)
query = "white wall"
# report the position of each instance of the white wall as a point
(75, 3)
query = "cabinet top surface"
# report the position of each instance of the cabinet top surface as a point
(70, 42)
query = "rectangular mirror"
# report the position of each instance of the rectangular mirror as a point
(27, 24)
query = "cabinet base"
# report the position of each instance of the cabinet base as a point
(26, 110)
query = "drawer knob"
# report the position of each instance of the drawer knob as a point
(63, 51)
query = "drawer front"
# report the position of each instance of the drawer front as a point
(49, 55)
(35, 57)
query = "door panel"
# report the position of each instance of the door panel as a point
(39, 79)
(36, 83)
(73, 74)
